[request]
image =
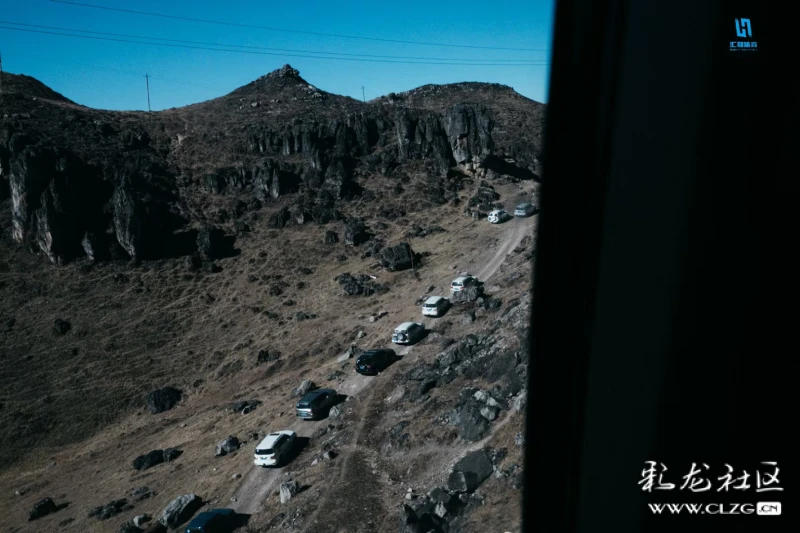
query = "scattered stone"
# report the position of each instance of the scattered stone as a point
(355, 232)
(236, 476)
(140, 519)
(361, 285)
(246, 406)
(162, 400)
(141, 493)
(129, 527)
(226, 446)
(361, 335)
(520, 401)
(519, 439)
(329, 455)
(288, 490)
(42, 508)
(335, 412)
(265, 356)
(155, 457)
(113, 508)
(305, 386)
(61, 326)
(180, 510)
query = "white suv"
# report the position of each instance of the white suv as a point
(408, 333)
(461, 282)
(435, 306)
(497, 216)
(274, 448)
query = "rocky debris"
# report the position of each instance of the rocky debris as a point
(155, 457)
(246, 406)
(352, 351)
(42, 508)
(376, 317)
(302, 315)
(519, 439)
(113, 508)
(304, 387)
(141, 493)
(129, 527)
(226, 446)
(163, 399)
(288, 489)
(484, 197)
(356, 232)
(330, 237)
(521, 401)
(335, 375)
(467, 294)
(361, 285)
(335, 412)
(399, 257)
(61, 326)
(180, 510)
(419, 232)
(156, 527)
(265, 356)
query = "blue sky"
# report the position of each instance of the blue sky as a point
(183, 76)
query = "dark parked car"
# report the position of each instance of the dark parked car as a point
(213, 521)
(373, 361)
(316, 403)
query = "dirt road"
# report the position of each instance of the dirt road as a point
(259, 482)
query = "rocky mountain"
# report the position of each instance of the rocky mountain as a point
(139, 185)
(170, 281)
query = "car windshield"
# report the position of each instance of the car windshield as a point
(456, 284)
(430, 305)
(264, 451)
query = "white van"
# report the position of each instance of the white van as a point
(435, 306)
(274, 448)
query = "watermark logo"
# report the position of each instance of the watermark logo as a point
(768, 508)
(744, 30)
(699, 480)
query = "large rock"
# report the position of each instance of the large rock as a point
(304, 387)
(361, 285)
(113, 508)
(287, 490)
(469, 419)
(470, 472)
(129, 527)
(162, 400)
(355, 232)
(155, 457)
(180, 510)
(398, 257)
(226, 446)
(330, 237)
(42, 508)
(469, 131)
(467, 294)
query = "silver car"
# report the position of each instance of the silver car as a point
(524, 210)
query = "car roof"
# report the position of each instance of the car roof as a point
(462, 278)
(204, 517)
(496, 211)
(405, 325)
(524, 205)
(370, 353)
(434, 299)
(270, 439)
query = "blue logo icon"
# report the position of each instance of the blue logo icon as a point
(743, 28)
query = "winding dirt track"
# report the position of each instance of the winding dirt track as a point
(259, 482)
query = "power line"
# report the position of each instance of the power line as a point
(121, 71)
(221, 23)
(269, 53)
(206, 43)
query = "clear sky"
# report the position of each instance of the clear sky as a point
(110, 74)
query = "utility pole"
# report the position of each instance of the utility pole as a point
(147, 81)
(362, 94)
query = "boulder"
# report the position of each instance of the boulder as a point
(355, 232)
(129, 527)
(42, 508)
(156, 527)
(61, 326)
(520, 401)
(330, 237)
(287, 490)
(162, 400)
(519, 439)
(468, 294)
(141, 493)
(304, 387)
(180, 510)
(226, 446)
(246, 406)
(398, 257)
(139, 520)
(469, 419)
(113, 508)
(361, 285)
(470, 472)
(155, 457)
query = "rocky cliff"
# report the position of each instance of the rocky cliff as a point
(133, 185)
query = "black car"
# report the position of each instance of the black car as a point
(373, 361)
(316, 403)
(213, 521)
